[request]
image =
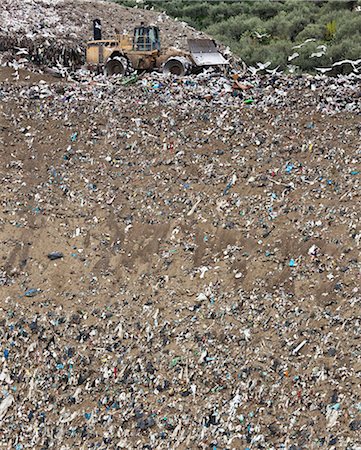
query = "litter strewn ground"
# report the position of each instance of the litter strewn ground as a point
(205, 292)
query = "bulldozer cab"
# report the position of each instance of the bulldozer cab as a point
(146, 39)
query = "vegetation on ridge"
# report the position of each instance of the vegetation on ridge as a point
(267, 30)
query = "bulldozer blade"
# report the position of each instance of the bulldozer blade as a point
(204, 53)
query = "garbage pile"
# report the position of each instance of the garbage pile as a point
(180, 262)
(54, 32)
(325, 94)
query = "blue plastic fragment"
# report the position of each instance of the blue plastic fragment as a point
(289, 167)
(32, 292)
(227, 188)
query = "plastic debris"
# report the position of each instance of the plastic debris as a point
(55, 255)
(32, 292)
(5, 405)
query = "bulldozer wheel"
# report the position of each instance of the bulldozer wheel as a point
(176, 66)
(116, 66)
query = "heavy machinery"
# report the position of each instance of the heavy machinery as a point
(142, 51)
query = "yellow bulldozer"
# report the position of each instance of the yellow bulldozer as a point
(142, 52)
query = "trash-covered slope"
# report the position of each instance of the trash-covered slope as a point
(180, 263)
(55, 31)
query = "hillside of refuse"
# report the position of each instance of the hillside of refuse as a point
(54, 32)
(180, 258)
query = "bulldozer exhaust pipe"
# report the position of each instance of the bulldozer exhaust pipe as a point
(97, 30)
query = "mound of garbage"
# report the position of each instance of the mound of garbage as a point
(51, 32)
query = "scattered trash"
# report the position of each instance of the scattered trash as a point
(5, 405)
(130, 80)
(32, 292)
(299, 347)
(289, 167)
(230, 184)
(55, 255)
